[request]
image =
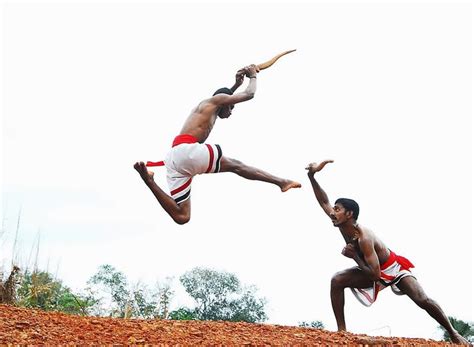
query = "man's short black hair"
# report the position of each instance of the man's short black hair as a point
(223, 91)
(349, 205)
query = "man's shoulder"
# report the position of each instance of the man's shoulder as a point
(365, 232)
(203, 107)
(363, 228)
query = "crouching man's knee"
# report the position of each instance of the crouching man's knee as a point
(338, 280)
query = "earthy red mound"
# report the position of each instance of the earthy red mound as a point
(25, 326)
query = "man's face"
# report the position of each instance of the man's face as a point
(339, 215)
(225, 111)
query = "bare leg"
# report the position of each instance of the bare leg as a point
(350, 278)
(411, 287)
(252, 173)
(338, 302)
(180, 213)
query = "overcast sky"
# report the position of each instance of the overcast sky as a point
(384, 89)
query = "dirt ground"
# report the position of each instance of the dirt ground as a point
(34, 327)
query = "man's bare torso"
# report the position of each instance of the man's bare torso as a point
(380, 249)
(201, 120)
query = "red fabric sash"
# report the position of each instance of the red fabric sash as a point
(178, 140)
(155, 163)
(185, 138)
(404, 262)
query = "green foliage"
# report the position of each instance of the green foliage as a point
(40, 290)
(220, 296)
(124, 301)
(115, 283)
(314, 324)
(466, 329)
(183, 313)
(248, 308)
(144, 306)
(150, 304)
(165, 294)
(8, 287)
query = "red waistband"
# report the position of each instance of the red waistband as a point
(184, 138)
(404, 262)
(178, 140)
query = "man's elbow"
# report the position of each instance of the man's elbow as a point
(250, 95)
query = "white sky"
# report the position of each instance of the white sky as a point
(384, 89)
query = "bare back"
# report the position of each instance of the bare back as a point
(201, 120)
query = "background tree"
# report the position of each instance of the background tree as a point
(39, 289)
(183, 313)
(115, 284)
(165, 294)
(248, 308)
(466, 329)
(143, 303)
(8, 288)
(151, 304)
(117, 298)
(220, 296)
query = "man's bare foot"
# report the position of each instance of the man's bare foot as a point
(287, 185)
(459, 339)
(143, 171)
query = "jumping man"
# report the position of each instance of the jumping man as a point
(190, 156)
(377, 266)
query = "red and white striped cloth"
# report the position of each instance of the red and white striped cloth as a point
(186, 159)
(391, 272)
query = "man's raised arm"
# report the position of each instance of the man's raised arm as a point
(320, 194)
(249, 92)
(251, 72)
(239, 79)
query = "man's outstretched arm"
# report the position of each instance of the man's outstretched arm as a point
(320, 194)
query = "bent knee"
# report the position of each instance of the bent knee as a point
(182, 214)
(338, 280)
(182, 219)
